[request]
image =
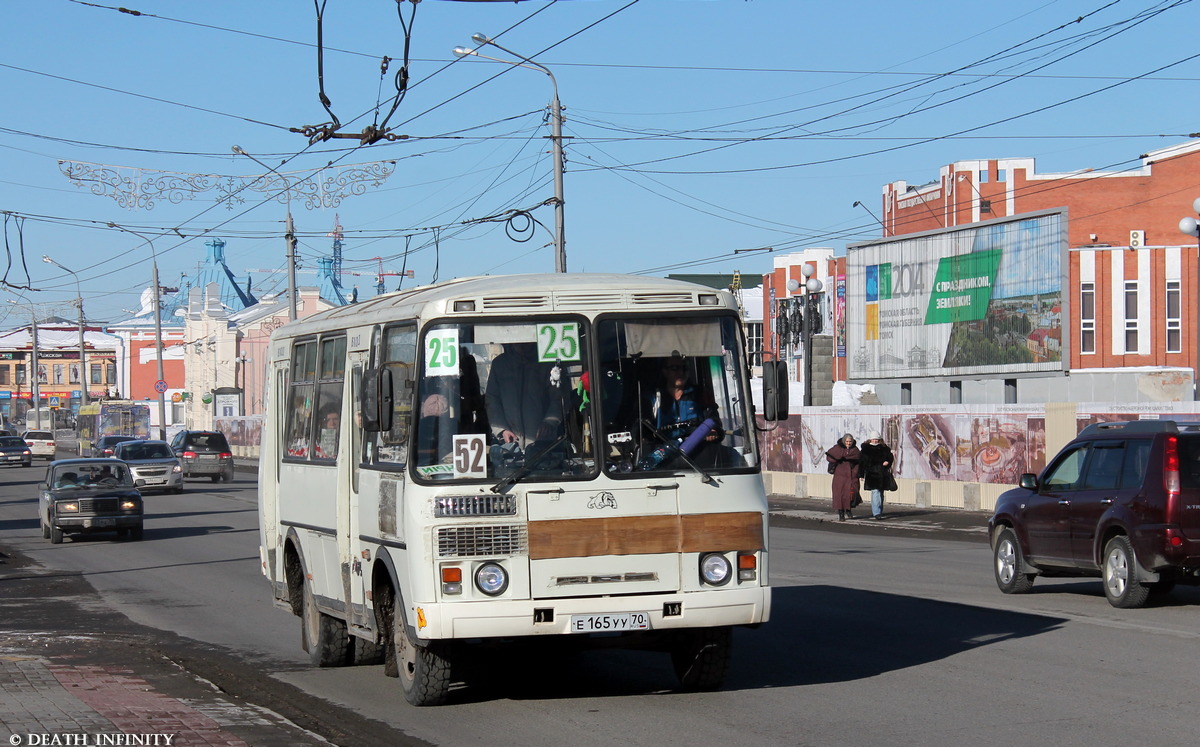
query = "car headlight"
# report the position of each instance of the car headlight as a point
(128, 504)
(177, 468)
(68, 507)
(715, 569)
(491, 579)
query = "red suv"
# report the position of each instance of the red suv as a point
(1121, 501)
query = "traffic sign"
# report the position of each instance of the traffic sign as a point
(160, 386)
(52, 402)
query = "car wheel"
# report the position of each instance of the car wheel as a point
(216, 478)
(325, 637)
(701, 657)
(56, 536)
(45, 531)
(178, 490)
(136, 533)
(1121, 584)
(1011, 574)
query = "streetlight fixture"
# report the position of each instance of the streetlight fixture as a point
(810, 322)
(556, 136)
(158, 336)
(33, 375)
(1191, 227)
(83, 387)
(289, 232)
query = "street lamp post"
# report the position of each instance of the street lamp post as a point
(1191, 227)
(83, 390)
(556, 137)
(811, 323)
(158, 336)
(289, 233)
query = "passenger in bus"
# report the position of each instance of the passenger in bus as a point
(684, 413)
(524, 402)
(328, 428)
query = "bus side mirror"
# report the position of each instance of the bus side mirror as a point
(775, 390)
(375, 404)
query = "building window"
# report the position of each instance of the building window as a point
(1087, 317)
(1002, 175)
(21, 377)
(956, 392)
(906, 393)
(985, 206)
(1174, 321)
(1131, 316)
(754, 341)
(4, 375)
(983, 176)
(111, 369)
(74, 373)
(97, 371)
(1010, 391)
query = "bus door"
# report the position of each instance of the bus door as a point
(349, 487)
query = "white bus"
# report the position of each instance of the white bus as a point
(501, 457)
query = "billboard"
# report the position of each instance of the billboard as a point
(986, 299)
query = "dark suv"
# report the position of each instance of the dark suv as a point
(1121, 501)
(204, 454)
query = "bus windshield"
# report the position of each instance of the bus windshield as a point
(521, 401)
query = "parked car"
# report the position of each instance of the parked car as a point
(82, 496)
(41, 443)
(1121, 501)
(14, 450)
(154, 465)
(204, 454)
(104, 446)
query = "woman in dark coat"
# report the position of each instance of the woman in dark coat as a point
(876, 467)
(844, 456)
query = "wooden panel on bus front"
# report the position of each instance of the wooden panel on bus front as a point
(645, 535)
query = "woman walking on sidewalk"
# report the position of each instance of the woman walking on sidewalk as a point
(843, 460)
(876, 468)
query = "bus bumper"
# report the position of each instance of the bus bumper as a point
(505, 618)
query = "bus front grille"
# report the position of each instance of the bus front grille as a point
(481, 541)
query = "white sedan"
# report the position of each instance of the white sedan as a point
(41, 443)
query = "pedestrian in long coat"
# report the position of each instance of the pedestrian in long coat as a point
(844, 457)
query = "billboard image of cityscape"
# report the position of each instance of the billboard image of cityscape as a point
(976, 300)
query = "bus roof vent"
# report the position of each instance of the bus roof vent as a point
(597, 300)
(540, 301)
(674, 298)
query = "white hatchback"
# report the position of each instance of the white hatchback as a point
(41, 443)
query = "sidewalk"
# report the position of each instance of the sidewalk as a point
(947, 523)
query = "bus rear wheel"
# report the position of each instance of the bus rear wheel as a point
(701, 657)
(324, 637)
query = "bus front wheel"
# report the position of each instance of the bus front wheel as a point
(701, 657)
(424, 671)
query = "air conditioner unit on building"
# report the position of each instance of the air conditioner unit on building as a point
(1137, 239)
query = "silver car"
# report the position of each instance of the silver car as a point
(154, 465)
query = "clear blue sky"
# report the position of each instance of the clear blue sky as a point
(696, 127)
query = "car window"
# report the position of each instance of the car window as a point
(1189, 462)
(1104, 468)
(1137, 456)
(1065, 472)
(38, 435)
(207, 442)
(12, 441)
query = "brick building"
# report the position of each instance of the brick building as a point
(1131, 273)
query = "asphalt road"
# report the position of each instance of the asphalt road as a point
(877, 636)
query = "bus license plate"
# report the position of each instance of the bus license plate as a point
(608, 623)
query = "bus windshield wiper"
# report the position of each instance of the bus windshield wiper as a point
(520, 474)
(673, 445)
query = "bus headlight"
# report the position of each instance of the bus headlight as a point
(715, 569)
(491, 579)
